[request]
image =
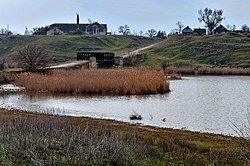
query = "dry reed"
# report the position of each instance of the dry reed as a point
(103, 81)
(209, 71)
(40, 139)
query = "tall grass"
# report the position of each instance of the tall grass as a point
(40, 139)
(103, 81)
(209, 71)
(58, 141)
(223, 71)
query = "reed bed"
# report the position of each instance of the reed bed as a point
(129, 81)
(209, 71)
(223, 71)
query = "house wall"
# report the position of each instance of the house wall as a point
(54, 31)
(60, 29)
(96, 31)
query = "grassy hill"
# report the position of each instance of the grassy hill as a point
(218, 50)
(64, 47)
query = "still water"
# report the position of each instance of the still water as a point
(207, 104)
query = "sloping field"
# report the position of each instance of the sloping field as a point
(218, 50)
(64, 47)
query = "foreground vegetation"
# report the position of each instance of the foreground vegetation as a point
(231, 50)
(39, 139)
(102, 81)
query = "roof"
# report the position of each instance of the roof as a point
(73, 27)
(220, 28)
(187, 30)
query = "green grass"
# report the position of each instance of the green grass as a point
(218, 50)
(64, 47)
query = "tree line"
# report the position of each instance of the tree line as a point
(211, 19)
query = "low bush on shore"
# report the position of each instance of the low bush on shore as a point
(6, 78)
(101, 81)
(39, 139)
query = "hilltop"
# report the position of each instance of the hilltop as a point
(64, 47)
(229, 49)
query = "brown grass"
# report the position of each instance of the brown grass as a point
(38, 139)
(209, 71)
(223, 71)
(102, 81)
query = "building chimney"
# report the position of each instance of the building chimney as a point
(77, 19)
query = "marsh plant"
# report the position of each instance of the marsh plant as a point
(40, 139)
(208, 71)
(57, 141)
(102, 81)
(244, 134)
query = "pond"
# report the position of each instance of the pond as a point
(206, 103)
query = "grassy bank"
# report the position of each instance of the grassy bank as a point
(64, 48)
(102, 81)
(184, 51)
(39, 139)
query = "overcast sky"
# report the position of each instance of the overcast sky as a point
(138, 14)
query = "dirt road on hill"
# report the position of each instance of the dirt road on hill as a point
(136, 52)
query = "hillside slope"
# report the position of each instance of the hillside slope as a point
(218, 50)
(64, 47)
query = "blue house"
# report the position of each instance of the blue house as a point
(187, 31)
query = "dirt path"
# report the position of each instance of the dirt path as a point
(68, 65)
(136, 52)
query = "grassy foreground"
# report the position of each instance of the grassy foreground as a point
(39, 139)
(100, 81)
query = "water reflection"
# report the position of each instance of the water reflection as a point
(205, 104)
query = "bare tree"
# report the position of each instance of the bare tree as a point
(151, 33)
(161, 34)
(124, 30)
(5, 32)
(180, 26)
(33, 57)
(164, 65)
(40, 30)
(229, 27)
(211, 18)
(135, 33)
(141, 33)
(245, 28)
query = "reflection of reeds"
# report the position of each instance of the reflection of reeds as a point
(105, 81)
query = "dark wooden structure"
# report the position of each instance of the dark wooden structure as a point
(220, 30)
(200, 31)
(102, 58)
